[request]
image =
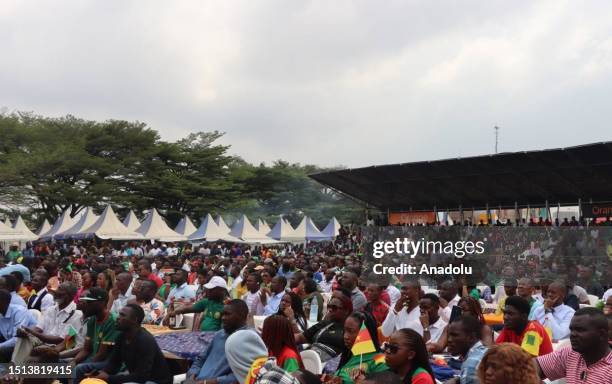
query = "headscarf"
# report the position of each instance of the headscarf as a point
(242, 348)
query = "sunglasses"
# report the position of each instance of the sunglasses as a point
(390, 348)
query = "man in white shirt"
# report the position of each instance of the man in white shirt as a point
(121, 293)
(42, 299)
(554, 314)
(448, 299)
(328, 280)
(433, 324)
(252, 297)
(63, 320)
(406, 312)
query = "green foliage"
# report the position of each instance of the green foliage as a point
(49, 164)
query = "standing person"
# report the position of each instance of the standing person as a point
(406, 312)
(212, 305)
(530, 335)
(464, 340)
(589, 358)
(507, 363)
(555, 315)
(137, 351)
(278, 336)
(276, 293)
(406, 355)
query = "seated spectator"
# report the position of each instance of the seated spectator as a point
(349, 281)
(406, 312)
(326, 337)
(182, 293)
(12, 317)
(526, 289)
(271, 298)
(9, 282)
(555, 315)
(40, 299)
(376, 307)
(433, 325)
(212, 305)
(246, 354)
(406, 355)
(58, 325)
(510, 288)
(278, 336)
(101, 333)
(471, 306)
(448, 298)
(588, 281)
(530, 335)
(464, 340)
(22, 291)
(292, 308)
(144, 291)
(252, 297)
(106, 280)
(121, 293)
(507, 363)
(165, 288)
(212, 363)
(366, 362)
(89, 278)
(312, 293)
(608, 306)
(589, 358)
(136, 357)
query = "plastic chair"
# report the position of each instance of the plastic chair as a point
(188, 320)
(312, 361)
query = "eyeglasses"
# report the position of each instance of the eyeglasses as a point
(390, 348)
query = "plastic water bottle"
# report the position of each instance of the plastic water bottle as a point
(314, 310)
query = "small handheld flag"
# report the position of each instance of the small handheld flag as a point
(71, 338)
(363, 342)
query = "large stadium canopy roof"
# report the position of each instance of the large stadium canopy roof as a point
(562, 176)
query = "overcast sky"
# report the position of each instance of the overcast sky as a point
(325, 82)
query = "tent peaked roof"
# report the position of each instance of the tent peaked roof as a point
(108, 226)
(308, 230)
(154, 227)
(20, 226)
(8, 223)
(131, 221)
(45, 227)
(185, 227)
(210, 231)
(332, 229)
(8, 233)
(87, 219)
(245, 231)
(283, 231)
(63, 223)
(262, 227)
(221, 224)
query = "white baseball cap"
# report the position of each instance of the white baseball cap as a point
(215, 282)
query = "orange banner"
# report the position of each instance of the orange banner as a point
(396, 218)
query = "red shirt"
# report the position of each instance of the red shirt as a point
(534, 339)
(156, 279)
(379, 311)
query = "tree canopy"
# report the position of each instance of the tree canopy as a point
(50, 164)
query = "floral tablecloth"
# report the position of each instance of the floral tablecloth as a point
(186, 345)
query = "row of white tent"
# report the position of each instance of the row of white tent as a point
(154, 227)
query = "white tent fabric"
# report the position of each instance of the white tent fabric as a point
(154, 227)
(20, 226)
(332, 229)
(7, 233)
(131, 221)
(63, 223)
(210, 231)
(185, 227)
(262, 227)
(8, 223)
(309, 231)
(45, 227)
(108, 226)
(244, 230)
(221, 224)
(283, 231)
(87, 219)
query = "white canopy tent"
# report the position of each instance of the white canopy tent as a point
(87, 219)
(244, 230)
(185, 227)
(332, 229)
(309, 231)
(108, 226)
(63, 223)
(131, 221)
(210, 231)
(20, 226)
(7, 233)
(221, 224)
(284, 232)
(45, 227)
(154, 227)
(8, 223)
(262, 227)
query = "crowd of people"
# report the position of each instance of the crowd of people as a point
(85, 303)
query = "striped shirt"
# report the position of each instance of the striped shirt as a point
(569, 364)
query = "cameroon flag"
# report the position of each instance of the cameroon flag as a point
(71, 338)
(363, 343)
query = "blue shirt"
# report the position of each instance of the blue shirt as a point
(558, 320)
(273, 303)
(184, 292)
(18, 300)
(212, 364)
(14, 318)
(469, 367)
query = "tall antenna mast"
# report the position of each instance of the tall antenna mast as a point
(496, 137)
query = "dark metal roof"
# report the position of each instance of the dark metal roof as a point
(529, 178)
